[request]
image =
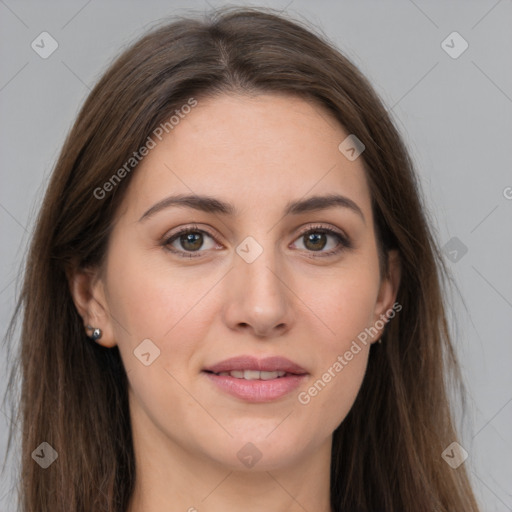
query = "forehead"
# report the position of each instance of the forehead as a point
(260, 150)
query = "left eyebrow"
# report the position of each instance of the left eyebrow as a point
(318, 203)
(210, 204)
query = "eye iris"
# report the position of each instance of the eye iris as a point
(194, 238)
(315, 237)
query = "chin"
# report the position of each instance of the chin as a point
(258, 450)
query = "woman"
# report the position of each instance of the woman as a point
(232, 297)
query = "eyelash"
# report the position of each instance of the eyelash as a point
(343, 241)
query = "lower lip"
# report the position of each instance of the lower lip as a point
(257, 390)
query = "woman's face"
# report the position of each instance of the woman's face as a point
(267, 275)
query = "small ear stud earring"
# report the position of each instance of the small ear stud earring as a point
(96, 333)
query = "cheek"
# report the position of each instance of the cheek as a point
(151, 297)
(347, 309)
(149, 301)
(346, 304)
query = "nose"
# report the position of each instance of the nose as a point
(259, 299)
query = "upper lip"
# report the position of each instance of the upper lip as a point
(267, 364)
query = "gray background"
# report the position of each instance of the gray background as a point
(455, 115)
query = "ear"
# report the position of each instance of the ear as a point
(386, 306)
(88, 292)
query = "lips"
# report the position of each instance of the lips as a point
(253, 374)
(256, 380)
(249, 365)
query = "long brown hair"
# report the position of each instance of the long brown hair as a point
(386, 454)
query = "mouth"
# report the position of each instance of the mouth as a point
(253, 374)
(256, 380)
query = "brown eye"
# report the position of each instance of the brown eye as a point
(316, 239)
(191, 241)
(188, 241)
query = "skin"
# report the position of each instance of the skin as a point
(258, 153)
